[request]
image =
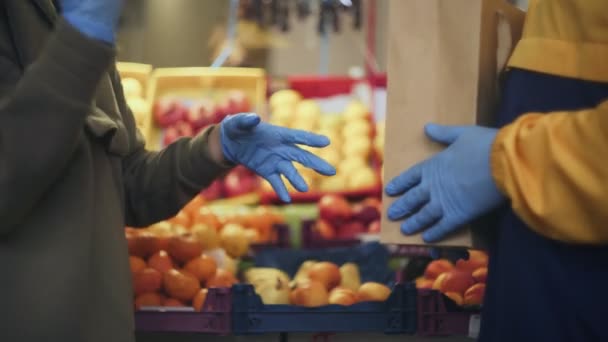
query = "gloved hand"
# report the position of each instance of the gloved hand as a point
(97, 19)
(454, 187)
(270, 151)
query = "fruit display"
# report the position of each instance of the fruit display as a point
(341, 220)
(174, 278)
(351, 133)
(463, 282)
(183, 117)
(172, 261)
(315, 284)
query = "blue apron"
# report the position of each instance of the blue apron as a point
(539, 289)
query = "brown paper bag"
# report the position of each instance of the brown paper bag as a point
(443, 64)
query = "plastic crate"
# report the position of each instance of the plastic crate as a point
(397, 315)
(197, 81)
(213, 319)
(440, 316)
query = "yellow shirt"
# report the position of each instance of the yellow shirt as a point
(554, 167)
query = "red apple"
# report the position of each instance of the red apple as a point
(350, 230)
(176, 131)
(334, 209)
(374, 227)
(236, 183)
(168, 111)
(201, 114)
(213, 191)
(373, 202)
(236, 102)
(365, 213)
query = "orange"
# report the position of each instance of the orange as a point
(202, 268)
(136, 263)
(222, 278)
(180, 285)
(160, 261)
(146, 280)
(199, 300)
(148, 299)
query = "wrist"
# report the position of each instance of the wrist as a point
(216, 151)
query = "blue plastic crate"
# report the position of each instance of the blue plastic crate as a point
(397, 315)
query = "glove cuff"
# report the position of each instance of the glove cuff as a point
(92, 28)
(224, 141)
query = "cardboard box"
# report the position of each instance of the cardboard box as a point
(443, 63)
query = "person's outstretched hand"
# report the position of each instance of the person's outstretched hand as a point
(451, 189)
(271, 150)
(96, 19)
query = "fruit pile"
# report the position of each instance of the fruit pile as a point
(174, 261)
(351, 133)
(338, 219)
(162, 280)
(184, 118)
(315, 284)
(464, 283)
(134, 96)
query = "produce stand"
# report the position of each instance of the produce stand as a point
(395, 316)
(239, 310)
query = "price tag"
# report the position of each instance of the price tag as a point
(474, 324)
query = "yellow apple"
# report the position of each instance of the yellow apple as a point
(349, 165)
(358, 127)
(330, 155)
(282, 116)
(308, 111)
(330, 121)
(132, 88)
(360, 147)
(362, 178)
(333, 183)
(305, 125)
(356, 110)
(284, 98)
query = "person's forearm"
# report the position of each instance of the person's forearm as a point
(159, 184)
(553, 168)
(42, 116)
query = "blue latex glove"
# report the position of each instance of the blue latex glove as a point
(270, 151)
(450, 189)
(97, 19)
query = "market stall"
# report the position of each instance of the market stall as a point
(237, 263)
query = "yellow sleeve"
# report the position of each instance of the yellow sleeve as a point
(554, 168)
